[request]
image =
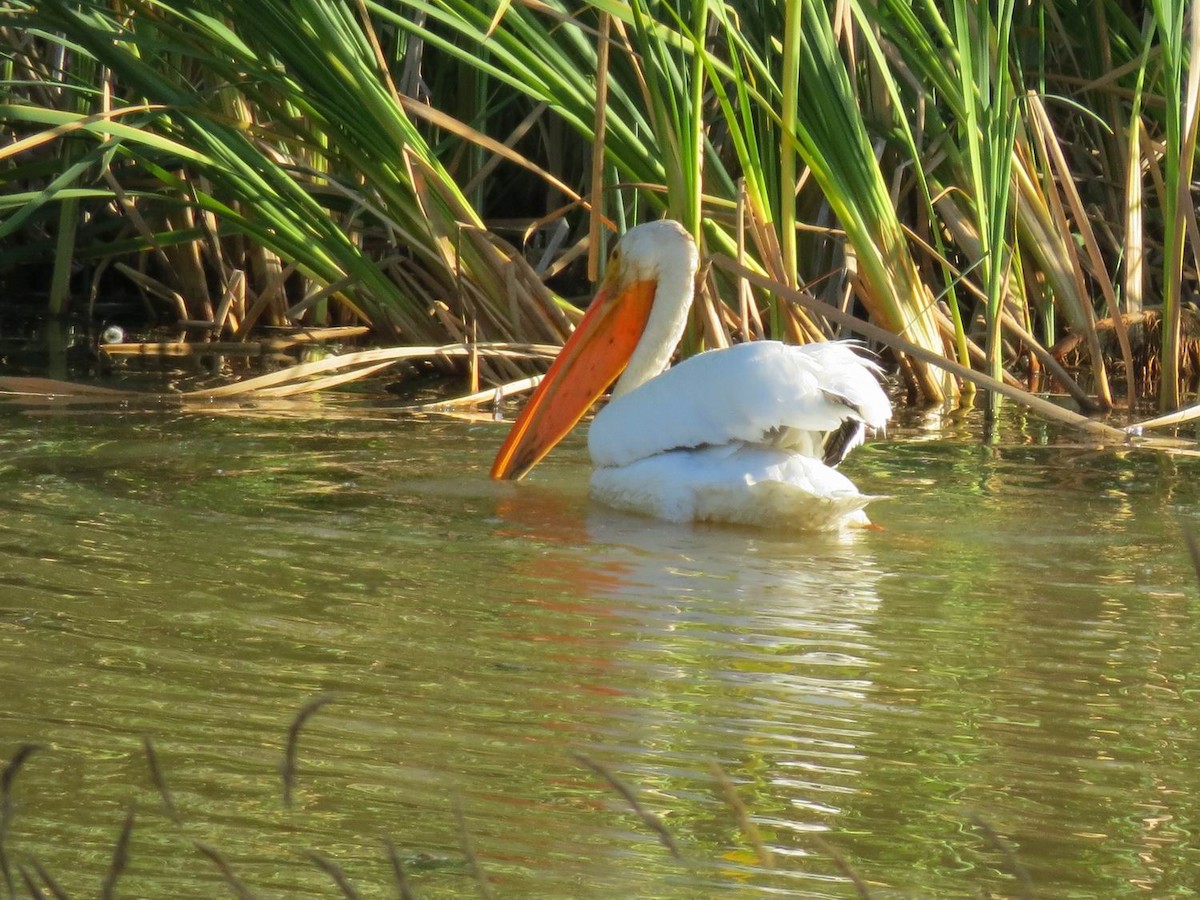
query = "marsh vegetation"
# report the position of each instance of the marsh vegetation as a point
(1005, 186)
(995, 195)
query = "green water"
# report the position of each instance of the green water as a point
(1017, 646)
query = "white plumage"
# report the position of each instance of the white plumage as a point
(739, 485)
(739, 435)
(763, 392)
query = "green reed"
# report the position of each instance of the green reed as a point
(333, 162)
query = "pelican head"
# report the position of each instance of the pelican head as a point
(629, 332)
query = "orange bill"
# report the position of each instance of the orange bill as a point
(592, 359)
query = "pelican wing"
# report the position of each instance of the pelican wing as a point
(760, 393)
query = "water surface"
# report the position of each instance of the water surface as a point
(996, 688)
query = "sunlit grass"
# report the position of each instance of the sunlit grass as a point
(981, 180)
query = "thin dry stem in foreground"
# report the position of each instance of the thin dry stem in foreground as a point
(649, 819)
(288, 769)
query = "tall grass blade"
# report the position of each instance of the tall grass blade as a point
(595, 219)
(1050, 146)
(831, 136)
(1043, 407)
(984, 60)
(1179, 41)
(1134, 250)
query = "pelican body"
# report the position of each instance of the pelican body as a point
(748, 435)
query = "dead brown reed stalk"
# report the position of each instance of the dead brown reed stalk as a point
(334, 871)
(288, 769)
(53, 886)
(120, 858)
(30, 885)
(34, 888)
(1011, 863)
(1193, 545)
(160, 781)
(860, 885)
(729, 792)
(235, 884)
(7, 776)
(649, 819)
(402, 885)
(468, 848)
(293, 380)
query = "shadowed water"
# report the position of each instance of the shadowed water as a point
(1008, 667)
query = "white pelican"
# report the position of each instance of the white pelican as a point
(746, 435)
